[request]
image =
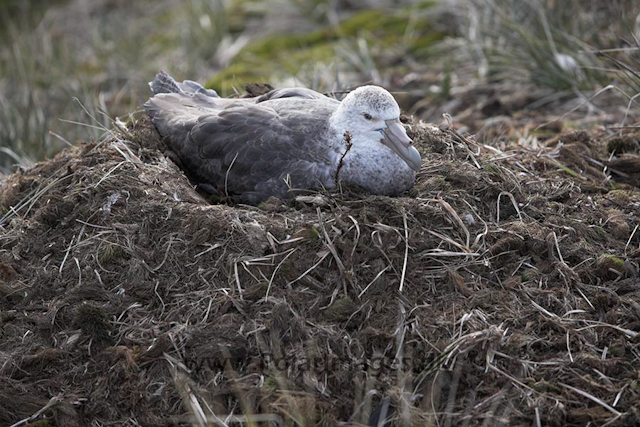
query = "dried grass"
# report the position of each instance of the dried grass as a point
(127, 298)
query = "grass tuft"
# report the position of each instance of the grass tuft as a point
(547, 44)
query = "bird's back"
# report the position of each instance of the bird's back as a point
(250, 148)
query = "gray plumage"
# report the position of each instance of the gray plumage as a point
(164, 83)
(251, 148)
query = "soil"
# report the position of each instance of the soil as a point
(502, 289)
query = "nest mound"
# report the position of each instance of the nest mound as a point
(503, 288)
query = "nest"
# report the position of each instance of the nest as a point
(502, 289)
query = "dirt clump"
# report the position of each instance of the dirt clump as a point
(501, 286)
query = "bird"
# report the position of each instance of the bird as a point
(284, 142)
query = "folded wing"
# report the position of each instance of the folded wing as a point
(249, 149)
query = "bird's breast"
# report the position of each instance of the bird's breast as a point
(377, 169)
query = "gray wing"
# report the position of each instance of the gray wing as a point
(253, 151)
(164, 83)
(174, 113)
(250, 148)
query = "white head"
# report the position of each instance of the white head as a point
(370, 113)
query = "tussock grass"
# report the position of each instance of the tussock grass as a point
(91, 52)
(26, 67)
(625, 61)
(548, 44)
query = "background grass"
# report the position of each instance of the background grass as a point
(59, 55)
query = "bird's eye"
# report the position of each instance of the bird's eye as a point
(367, 116)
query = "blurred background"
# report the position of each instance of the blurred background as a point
(69, 68)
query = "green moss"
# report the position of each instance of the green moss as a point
(340, 310)
(545, 387)
(374, 21)
(615, 186)
(615, 262)
(111, 253)
(236, 77)
(313, 232)
(320, 53)
(492, 169)
(283, 55)
(280, 43)
(570, 125)
(434, 183)
(616, 351)
(564, 168)
(89, 68)
(529, 274)
(495, 171)
(599, 230)
(606, 263)
(271, 383)
(619, 197)
(162, 41)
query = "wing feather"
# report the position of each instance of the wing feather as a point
(254, 147)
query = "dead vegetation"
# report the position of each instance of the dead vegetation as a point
(502, 290)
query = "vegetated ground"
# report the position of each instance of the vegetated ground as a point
(502, 289)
